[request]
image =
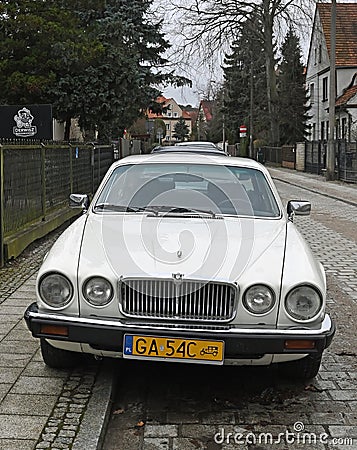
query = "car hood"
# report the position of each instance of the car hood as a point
(227, 249)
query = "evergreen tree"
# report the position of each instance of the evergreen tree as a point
(181, 131)
(245, 71)
(292, 92)
(38, 41)
(95, 60)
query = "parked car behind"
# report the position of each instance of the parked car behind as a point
(191, 147)
(184, 257)
(197, 143)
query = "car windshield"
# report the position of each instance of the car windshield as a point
(188, 188)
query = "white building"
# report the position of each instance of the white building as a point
(170, 115)
(318, 72)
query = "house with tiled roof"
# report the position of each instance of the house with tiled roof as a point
(204, 117)
(318, 72)
(170, 114)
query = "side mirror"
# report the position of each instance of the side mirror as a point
(79, 201)
(298, 208)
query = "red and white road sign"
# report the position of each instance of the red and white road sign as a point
(242, 131)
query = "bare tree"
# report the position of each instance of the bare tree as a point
(207, 27)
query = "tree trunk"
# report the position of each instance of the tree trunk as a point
(272, 92)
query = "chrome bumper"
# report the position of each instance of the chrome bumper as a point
(109, 334)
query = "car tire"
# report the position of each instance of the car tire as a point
(303, 369)
(58, 358)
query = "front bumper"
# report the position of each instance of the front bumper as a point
(108, 335)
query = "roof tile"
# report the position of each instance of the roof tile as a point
(346, 31)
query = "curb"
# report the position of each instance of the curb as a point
(94, 423)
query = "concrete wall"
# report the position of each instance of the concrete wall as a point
(300, 156)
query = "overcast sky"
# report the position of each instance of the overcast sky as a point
(204, 79)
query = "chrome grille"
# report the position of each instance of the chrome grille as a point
(184, 300)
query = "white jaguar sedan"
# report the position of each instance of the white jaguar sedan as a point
(184, 257)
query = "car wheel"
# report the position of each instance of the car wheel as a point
(302, 369)
(58, 358)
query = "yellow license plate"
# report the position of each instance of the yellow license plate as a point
(154, 347)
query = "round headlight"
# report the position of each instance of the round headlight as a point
(55, 290)
(259, 299)
(303, 303)
(98, 291)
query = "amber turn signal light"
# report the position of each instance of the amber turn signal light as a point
(299, 344)
(54, 330)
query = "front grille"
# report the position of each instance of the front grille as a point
(184, 300)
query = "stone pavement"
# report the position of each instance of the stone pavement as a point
(41, 408)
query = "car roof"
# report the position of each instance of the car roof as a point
(204, 149)
(183, 157)
(195, 143)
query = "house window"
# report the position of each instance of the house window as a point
(167, 126)
(315, 54)
(322, 131)
(175, 114)
(314, 132)
(169, 114)
(324, 89)
(320, 53)
(312, 93)
(344, 128)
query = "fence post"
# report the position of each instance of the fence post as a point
(92, 165)
(43, 180)
(70, 168)
(99, 162)
(2, 257)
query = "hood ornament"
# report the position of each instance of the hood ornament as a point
(177, 277)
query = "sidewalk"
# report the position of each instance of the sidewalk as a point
(42, 408)
(316, 183)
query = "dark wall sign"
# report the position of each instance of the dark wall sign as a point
(26, 121)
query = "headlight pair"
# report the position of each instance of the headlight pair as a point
(57, 291)
(302, 303)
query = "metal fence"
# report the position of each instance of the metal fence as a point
(36, 180)
(345, 159)
(272, 154)
(315, 156)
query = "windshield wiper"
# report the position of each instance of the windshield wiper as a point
(184, 210)
(125, 208)
(111, 207)
(155, 209)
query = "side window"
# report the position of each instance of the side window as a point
(324, 89)
(312, 93)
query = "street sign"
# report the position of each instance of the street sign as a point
(242, 131)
